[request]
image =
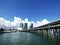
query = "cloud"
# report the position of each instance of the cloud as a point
(44, 21)
(16, 22)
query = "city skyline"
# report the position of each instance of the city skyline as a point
(4, 23)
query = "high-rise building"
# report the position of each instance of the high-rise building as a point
(25, 26)
(21, 25)
(31, 26)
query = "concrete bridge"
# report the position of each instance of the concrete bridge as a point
(51, 28)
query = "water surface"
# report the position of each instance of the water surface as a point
(25, 38)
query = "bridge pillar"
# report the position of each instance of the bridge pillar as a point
(58, 31)
(39, 31)
(42, 31)
(50, 31)
(54, 31)
(46, 31)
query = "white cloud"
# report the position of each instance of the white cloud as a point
(44, 21)
(16, 22)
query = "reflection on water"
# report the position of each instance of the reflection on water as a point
(25, 38)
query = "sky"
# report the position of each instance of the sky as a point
(33, 10)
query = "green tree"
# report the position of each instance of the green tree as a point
(1, 30)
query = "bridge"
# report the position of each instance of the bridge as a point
(50, 28)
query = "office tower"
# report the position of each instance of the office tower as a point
(31, 26)
(25, 26)
(21, 25)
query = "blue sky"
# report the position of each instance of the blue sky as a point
(32, 9)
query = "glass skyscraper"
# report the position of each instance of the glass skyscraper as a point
(25, 26)
(21, 25)
(31, 26)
